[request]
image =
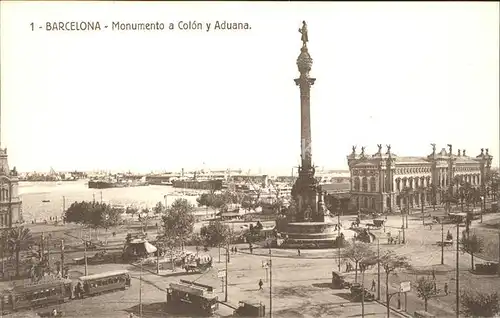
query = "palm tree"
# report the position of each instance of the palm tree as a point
(472, 245)
(448, 199)
(422, 191)
(19, 238)
(407, 194)
(432, 188)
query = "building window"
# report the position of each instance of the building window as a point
(356, 184)
(364, 184)
(373, 184)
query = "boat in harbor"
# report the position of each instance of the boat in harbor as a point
(106, 183)
(210, 184)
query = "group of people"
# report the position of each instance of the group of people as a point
(348, 267)
(234, 250)
(445, 286)
(393, 240)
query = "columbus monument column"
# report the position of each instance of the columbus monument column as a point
(305, 191)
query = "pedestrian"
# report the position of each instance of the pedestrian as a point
(446, 288)
(373, 285)
(235, 250)
(298, 252)
(260, 284)
(433, 274)
(54, 313)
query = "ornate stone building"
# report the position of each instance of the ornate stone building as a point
(10, 203)
(379, 181)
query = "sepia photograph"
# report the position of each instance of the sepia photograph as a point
(249, 159)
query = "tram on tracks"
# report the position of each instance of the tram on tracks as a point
(189, 297)
(35, 294)
(103, 282)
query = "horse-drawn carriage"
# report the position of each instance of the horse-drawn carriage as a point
(356, 293)
(198, 265)
(338, 281)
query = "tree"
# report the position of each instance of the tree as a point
(364, 264)
(448, 199)
(215, 234)
(432, 188)
(144, 218)
(475, 304)
(357, 252)
(178, 223)
(250, 203)
(206, 200)
(168, 242)
(197, 240)
(391, 262)
(131, 210)
(407, 193)
(18, 239)
(92, 214)
(425, 289)
(111, 217)
(78, 212)
(332, 203)
(159, 208)
(472, 245)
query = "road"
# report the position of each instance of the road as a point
(301, 285)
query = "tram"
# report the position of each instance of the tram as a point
(36, 294)
(104, 282)
(188, 297)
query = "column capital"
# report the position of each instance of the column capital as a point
(304, 80)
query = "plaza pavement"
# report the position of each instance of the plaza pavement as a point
(300, 284)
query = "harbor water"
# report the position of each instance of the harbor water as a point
(42, 200)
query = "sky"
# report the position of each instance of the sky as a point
(405, 74)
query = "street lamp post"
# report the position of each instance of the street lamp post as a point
(378, 268)
(442, 242)
(483, 208)
(140, 291)
(85, 255)
(227, 259)
(457, 274)
(62, 257)
(339, 241)
(270, 284)
(422, 192)
(362, 290)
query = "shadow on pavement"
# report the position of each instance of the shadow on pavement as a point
(156, 310)
(288, 313)
(323, 285)
(346, 296)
